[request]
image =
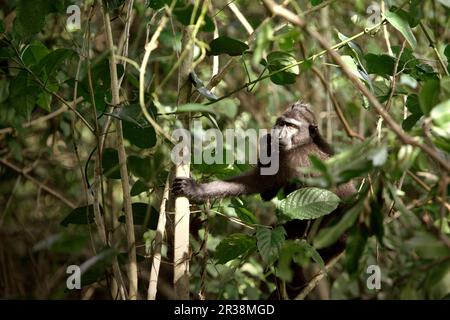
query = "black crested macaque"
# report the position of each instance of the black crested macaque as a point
(298, 138)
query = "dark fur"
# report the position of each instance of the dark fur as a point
(268, 186)
(304, 143)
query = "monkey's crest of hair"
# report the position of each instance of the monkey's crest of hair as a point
(300, 109)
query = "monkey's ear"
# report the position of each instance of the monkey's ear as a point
(313, 131)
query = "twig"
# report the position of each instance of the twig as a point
(314, 281)
(149, 47)
(433, 45)
(337, 106)
(131, 241)
(247, 26)
(42, 185)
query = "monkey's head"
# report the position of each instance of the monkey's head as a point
(296, 127)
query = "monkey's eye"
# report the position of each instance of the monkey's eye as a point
(282, 123)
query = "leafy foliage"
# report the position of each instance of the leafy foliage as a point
(59, 144)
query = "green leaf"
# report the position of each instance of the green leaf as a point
(30, 17)
(410, 121)
(234, 246)
(140, 137)
(270, 242)
(413, 105)
(429, 95)
(328, 236)
(110, 163)
(316, 2)
(23, 93)
(2, 26)
(33, 53)
(402, 25)
(382, 64)
(140, 167)
(226, 107)
(355, 248)
(52, 61)
(80, 215)
(226, 45)
(138, 187)
(309, 203)
(278, 60)
(143, 214)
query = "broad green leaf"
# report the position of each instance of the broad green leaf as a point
(353, 67)
(244, 214)
(234, 246)
(30, 17)
(110, 163)
(138, 187)
(413, 105)
(226, 107)
(270, 242)
(140, 167)
(22, 94)
(226, 45)
(382, 64)
(279, 60)
(330, 235)
(33, 53)
(429, 95)
(410, 121)
(144, 215)
(402, 25)
(80, 215)
(52, 61)
(141, 137)
(355, 248)
(309, 203)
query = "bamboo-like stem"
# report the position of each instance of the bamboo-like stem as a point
(131, 241)
(159, 237)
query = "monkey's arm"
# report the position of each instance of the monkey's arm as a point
(247, 183)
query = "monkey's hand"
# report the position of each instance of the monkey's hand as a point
(186, 187)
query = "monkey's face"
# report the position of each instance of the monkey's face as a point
(292, 133)
(293, 127)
